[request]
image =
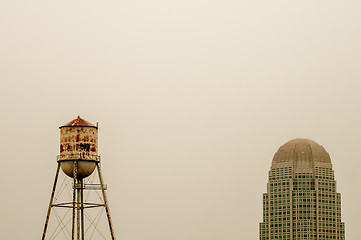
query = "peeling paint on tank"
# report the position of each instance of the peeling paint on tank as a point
(80, 141)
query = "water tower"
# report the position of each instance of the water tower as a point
(79, 159)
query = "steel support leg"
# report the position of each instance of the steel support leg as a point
(105, 202)
(78, 210)
(82, 208)
(74, 198)
(51, 201)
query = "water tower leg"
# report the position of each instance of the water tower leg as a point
(74, 198)
(78, 210)
(82, 208)
(105, 202)
(51, 201)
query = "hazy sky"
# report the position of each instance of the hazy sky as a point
(192, 97)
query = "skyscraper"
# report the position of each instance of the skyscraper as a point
(301, 202)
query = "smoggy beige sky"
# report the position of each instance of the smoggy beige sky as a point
(193, 98)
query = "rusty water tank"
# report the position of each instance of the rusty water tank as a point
(78, 142)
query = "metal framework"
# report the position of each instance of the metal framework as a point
(78, 204)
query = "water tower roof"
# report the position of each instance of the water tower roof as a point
(78, 122)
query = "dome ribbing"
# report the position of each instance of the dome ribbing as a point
(301, 152)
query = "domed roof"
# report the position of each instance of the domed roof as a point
(301, 152)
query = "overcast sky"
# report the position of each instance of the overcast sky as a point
(193, 98)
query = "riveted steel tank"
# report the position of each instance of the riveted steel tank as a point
(78, 142)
